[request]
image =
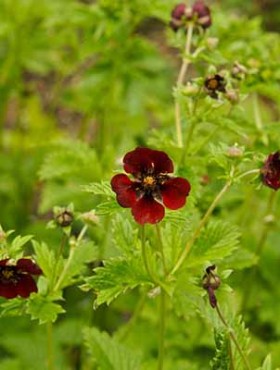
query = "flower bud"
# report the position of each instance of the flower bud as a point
(211, 282)
(235, 152)
(64, 219)
(202, 12)
(232, 96)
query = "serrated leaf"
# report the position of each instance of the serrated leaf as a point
(107, 353)
(15, 248)
(221, 359)
(115, 278)
(99, 188)
(217, 241)
(43, 308)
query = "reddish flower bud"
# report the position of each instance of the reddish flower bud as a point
(211, 282)
(177, 17)
(65, 218)
(270, 172)
(203, 14)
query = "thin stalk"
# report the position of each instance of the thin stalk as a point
(162, 312)
(257, 170)
(70, 258)
(232, 367)
(201, 224)
(233, 338)
(161, 248)
(145, 256)
(180, 81)
(50, 358)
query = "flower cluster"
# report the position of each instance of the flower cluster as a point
(199, 13)
(270, 172)
(152, 188)
(16, 279)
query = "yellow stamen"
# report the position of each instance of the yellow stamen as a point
(149, 180)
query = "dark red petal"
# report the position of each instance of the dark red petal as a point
(4, 262)
(8, 290)
(25, 286)
(147, 211)
(174, 192)
(125, 190)
(179, 11)
(145, 160)
(27, 265)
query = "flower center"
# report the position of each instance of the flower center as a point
(8, 274)
(149, 181)
(212, 84)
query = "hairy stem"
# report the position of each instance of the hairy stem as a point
(145, 256)
(161, 248)
(162, 309)
(180, 81)
(258, 119)
(201, 224)
(233, 338)
(70, 258)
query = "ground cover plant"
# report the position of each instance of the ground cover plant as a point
(140, 176)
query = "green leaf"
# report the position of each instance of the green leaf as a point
(107, 353)
(217, 241)
(15, 249)
(43, 308)
(221, 359)
(100, 188)
(115, 278)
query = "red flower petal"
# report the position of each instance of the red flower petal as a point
(145, 160)
(270, 172)
(25, 286)
(174, 192)
(27, 265)
(8, 290)
(147, 210)
(125, 190)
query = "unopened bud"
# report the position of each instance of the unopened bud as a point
(64, 219)
(235, 152)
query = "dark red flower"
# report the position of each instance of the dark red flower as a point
(203, 14)
(16, 279)
(152, 187)
(213, 84)
(270, 172)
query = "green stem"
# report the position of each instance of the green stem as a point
(145, 256)
(233, 338)
(180, 81)
(247, 173)
(201, 224)
(162, 309)
(161, 248)
(50, 358)
(70, 258)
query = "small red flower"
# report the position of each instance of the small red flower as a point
(270, 172)
(203, 14)
(152, 187)
(215, 84)
(16, 279)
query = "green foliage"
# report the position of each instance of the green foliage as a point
(223, 344)
(107, 353)
(43, 308)
(115, 278)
